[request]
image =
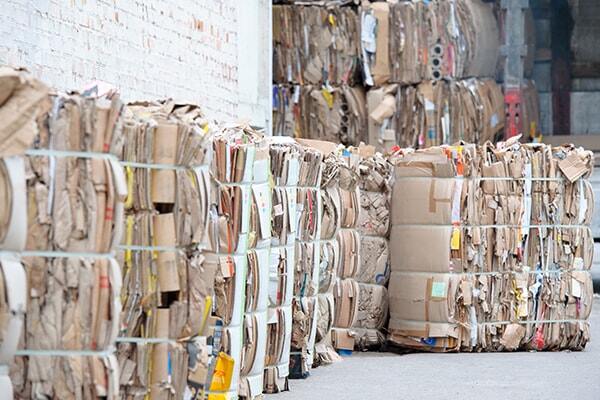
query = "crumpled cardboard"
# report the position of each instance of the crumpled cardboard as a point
(442, 40)
(314, 44)
(508, 257)
(22, 100)
(166, 293)
(285, 157)
(307, 257)
(74, 205)
(336, 114)
(440, 112)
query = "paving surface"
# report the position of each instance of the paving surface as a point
(502, 376)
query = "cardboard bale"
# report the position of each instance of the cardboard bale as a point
(285, 157)
(431, 113)
(336, 114)
(497, 260)
(442, 40)
(315, 44)
(308, 254)
(169, 288)
(74, 206)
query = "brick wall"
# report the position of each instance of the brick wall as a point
(185, 49)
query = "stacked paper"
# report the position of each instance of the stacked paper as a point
(167, 288)
(508, 248)
(285, 156)
(75, 201)
(306, 272)
(373, 225)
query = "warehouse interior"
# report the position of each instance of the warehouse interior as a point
(290, 199)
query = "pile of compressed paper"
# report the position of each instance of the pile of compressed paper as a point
(314, 44)
(285, 155)
(346, 289)
(409, 42)
(316, 73)
(306, 273)
(336, 114)
(75, 201)
(375, 183)
(166, 288)
(423, 74)
(433, 113)
(508, 248)
(330, 254)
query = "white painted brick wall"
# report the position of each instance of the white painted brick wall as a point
(186, 49)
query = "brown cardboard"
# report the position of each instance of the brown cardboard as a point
(381, 69)
(165, 143)
(421, 297)
(342, 339)
(164, 231)
(405, 239)
(422, 201)
(163, 186)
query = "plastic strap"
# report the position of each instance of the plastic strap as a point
(532, 272)
(57, 254)
(69, 153)
(527, 322)
(131, 247)
(169, 167)
(64, 353)
(483, 178)
(515, 226)
(152, 340)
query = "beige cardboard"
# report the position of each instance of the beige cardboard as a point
(405, 239)
(168, 274)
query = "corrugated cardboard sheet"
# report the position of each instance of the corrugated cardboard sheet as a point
(508, 243)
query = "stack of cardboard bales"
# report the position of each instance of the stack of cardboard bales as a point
(236, 149)
(346, 289)
(375, 184)
(413, 73)
(257, 277)
(330, 254)
(23, 99)
(75, 207)
(306, 273)
(425, 61)
(508, 248)
(167, 289)
(316, 64)
(285, 156)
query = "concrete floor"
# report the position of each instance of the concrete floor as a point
(502, 376)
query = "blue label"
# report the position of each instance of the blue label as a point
(430, 341)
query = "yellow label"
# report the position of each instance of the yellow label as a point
(207, 308)
(328, 96)
(455, 240)
(129, 199)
